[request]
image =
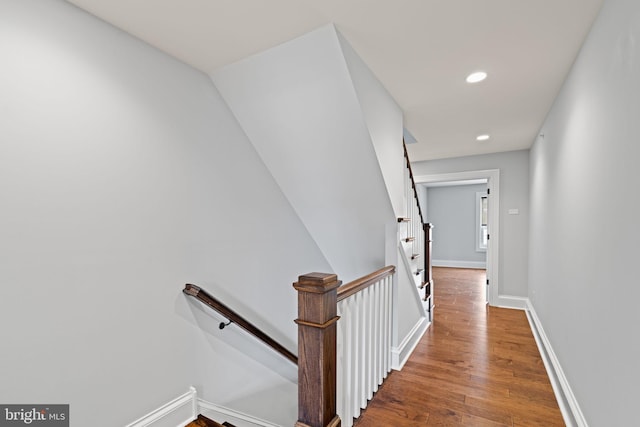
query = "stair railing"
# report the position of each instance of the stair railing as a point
(364, 341)
(419, 233)
(427, 283)
(342, 363)
(204, 297)
(414, 233)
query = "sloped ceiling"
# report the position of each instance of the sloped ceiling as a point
(421, 50)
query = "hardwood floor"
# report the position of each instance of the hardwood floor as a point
(475, 366)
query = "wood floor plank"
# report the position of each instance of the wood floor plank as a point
(475, 366)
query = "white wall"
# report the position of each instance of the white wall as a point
(452, 211)
(383, 118)
(514, 194)
(583, 280)
(123, 175)
(298, 106)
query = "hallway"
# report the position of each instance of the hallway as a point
(475, 366)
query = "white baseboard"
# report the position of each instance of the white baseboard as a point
(180, 411)
(185, 408)
(509, 301)
(567, 401)
(400, 354)
(237, 417)
(459, 264)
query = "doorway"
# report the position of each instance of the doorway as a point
(492, 177)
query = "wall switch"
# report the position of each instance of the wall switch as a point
(514, 211)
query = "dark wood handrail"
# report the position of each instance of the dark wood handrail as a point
(345, 291)
(204, 297)
(427, 228)
(413, 182)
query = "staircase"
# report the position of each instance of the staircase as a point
(415, 240)
(345, 332)
(203, 421)
(329, 134)
(346, 327)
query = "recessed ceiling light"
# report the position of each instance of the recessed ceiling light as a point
(484, 137)
(476, 77)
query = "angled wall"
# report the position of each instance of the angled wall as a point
(584, 233)
(123, 175)
(331, 135)
(384, 120)
(298, 106)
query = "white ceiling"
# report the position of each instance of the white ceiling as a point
(421, 50)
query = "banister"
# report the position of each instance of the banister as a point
(413, 182)
(204, 297)
(345, 291)
(426, 228)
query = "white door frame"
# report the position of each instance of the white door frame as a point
(493, 250)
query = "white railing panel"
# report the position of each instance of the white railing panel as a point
(356, 380)
(341, 353)
(368, 336)
(380, 334)
(375, 341)
(386, 338)
(362, 356)
(389, 323)
(364, 347)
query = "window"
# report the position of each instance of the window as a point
(482, 231)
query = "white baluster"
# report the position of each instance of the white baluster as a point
(369, 350)
(385, 335)
(375, 367)
(341, 359)
(383, 329)
(388, 321)
(380, 334)
(362, 378)
(354, 302)
(345, 328)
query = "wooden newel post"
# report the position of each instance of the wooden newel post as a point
(317, 335)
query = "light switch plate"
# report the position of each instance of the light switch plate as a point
(514, 211)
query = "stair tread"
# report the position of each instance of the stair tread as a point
(203, 421)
